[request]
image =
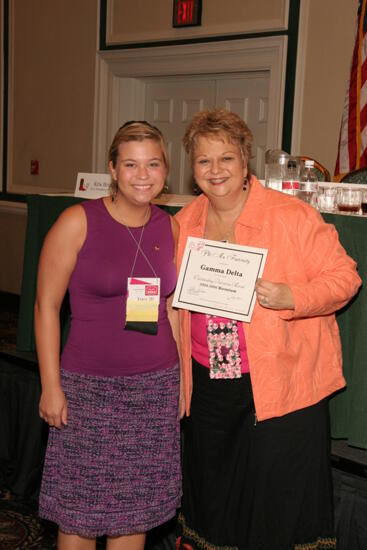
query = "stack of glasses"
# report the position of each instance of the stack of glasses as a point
(289, 175)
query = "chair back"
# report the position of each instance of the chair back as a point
(357, 176)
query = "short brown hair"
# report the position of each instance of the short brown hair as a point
(136, 130)
(219, 124)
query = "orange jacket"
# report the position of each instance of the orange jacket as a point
(295, 356)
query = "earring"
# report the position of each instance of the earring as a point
(114, 190)
(196, 189)
(164, 190)
(245, 184)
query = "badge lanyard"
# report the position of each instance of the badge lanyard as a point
(143, 296)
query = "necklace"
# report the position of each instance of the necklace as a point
(220, 235)
(225, 237)
(216, 224)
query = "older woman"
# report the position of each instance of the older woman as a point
(256, 443)
(113, 457)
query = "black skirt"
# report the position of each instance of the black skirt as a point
(254, 485)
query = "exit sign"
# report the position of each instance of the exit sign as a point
(186, 13)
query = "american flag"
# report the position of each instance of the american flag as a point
(352, 153)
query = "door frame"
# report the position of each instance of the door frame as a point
(119, 84)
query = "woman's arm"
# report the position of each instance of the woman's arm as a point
(174, 321)
(57, 261)
(330, 275)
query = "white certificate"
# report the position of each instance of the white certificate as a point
(219, 278)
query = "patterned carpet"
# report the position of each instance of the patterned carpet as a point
(20, 527)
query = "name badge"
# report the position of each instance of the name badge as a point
(142, 305)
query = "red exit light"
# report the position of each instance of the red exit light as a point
(186, 13)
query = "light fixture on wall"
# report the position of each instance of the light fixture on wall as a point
(186, 13)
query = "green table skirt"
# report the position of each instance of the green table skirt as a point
(348, 408)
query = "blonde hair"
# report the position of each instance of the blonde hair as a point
(219, 124)
(136, 130)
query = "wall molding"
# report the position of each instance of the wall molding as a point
(243, 26)
(8, 207)
(300, 76)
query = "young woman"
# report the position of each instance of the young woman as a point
(112, 465)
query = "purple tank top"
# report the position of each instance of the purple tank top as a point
(98, 343)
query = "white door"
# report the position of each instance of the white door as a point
(170, 103)
(247, 95)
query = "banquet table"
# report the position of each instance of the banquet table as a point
(348, 408)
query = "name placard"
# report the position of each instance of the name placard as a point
(92, 186)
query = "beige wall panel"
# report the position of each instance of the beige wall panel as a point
(329, 48)
(53, 47)
(146, 20)
(13, 229)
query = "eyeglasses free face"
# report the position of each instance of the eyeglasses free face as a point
(138, 130)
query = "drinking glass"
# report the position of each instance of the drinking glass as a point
(364, 202)
(326, 199)
(349, 200)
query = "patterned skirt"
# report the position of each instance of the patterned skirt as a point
(115, 468)
(253, 485)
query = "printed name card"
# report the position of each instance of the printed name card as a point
(92, 186)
